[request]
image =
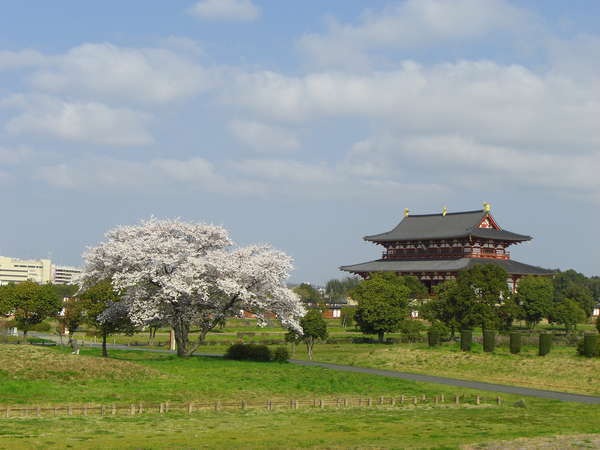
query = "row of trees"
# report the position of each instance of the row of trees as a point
(99, 306)
(478, 297)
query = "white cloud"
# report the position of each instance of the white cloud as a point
(89, 122)
(146, 176)
(14, 156)
(225, 10)
(408, 24)
(455, 159)
(153, 75)
(486, 100)
(21, 59)
(262, 137)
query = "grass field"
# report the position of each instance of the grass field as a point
(37, 375)
(328, 428)
(561, 370)
(50, 376)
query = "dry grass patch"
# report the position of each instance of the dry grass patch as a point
(560, 371)
(27, 362)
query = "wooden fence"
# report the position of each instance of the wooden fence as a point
(269, 405)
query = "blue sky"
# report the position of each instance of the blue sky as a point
(303, 124)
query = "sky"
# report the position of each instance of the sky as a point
(306, 125)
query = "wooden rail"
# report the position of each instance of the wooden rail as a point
(133, 409)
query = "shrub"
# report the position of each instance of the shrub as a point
(489, 340)
(515, 342)
(237, 351)
(545, 344)
(43, 327)
(281, 355)
(466, 339)
(433, 337)
(249, 352)
(589, 346)
(411, 329)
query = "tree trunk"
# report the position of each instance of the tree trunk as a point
(380, 335)
(104, 349)
(309, 347)
(182, 329)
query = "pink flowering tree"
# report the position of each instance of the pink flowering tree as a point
(190, 274)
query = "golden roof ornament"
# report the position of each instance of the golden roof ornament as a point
(487, 207)
(444, 211)
(406, 211)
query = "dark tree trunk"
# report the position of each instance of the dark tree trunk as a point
(104, 349)
(380, 335)
(182, 329)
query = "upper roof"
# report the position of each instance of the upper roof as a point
(449, 226)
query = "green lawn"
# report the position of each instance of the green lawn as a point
(33, 375)
(328, 428)
(51, 376)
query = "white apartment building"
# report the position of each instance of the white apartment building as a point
(13, 270)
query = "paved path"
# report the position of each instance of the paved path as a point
(506, 389)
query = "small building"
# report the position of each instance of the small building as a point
(436, 247)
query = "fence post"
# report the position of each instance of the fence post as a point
(7, 413)
(402, 399)
(102, 411)
(114, 409)
(295, 404)
(381, 400)
(321, 405)
(217, 405)
(190, 408)
(132, 409)
(85, 408)
(141, 410)
(369, 402)
(161, 408)
(70, 410)
(393, 401)
(37, 411)
(498, 401)
(415, 400)
(166, 407)
(477, 400)
(442, 398)
(345, 403)
(457, 399)
(243, 404)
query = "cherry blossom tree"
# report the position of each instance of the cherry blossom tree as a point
(190, 274)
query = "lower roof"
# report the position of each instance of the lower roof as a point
(444, 265)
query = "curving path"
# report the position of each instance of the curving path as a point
(506, 389)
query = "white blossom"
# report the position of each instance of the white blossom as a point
(190, 273)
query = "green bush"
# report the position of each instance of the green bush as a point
(411, 329)
(42, 327)
(281, 355)
(433, 337)
(489, 340)
(466, 340)
(515, 342)
(545, 344)
(589, 346)
(442, 330)
(249, 352)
